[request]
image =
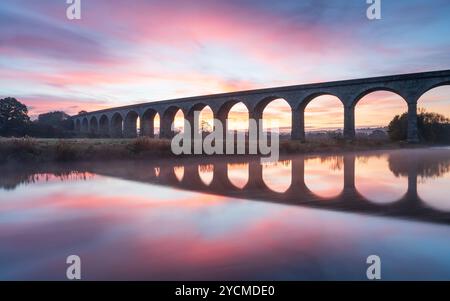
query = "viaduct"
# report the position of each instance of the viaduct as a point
(121, 121)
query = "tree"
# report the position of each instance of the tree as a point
(82, 112)
(57, 119)
(432, 127)
(13, 117)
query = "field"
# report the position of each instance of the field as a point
(66, 150)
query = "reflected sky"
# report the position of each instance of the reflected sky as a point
(433, 191)
(372, 173)
(125, 229)
(277, 176)
(238, 174)
(324, 176)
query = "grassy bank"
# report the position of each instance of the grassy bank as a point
(68, 150)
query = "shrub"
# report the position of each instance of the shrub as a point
(146, 144)
(432, 127)
(22, 149)
(64, 151)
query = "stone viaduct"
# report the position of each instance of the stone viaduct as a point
(121, 121)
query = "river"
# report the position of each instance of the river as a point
(314, 217)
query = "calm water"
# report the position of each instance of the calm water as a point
(314, 217)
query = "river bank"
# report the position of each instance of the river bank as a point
(68, 150)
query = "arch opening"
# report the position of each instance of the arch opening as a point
(375, 110)
(147, 125)
(205, 120)
(130, 125)
(434, 115)
(324, 117)
(237, 118)
(277, 114)
(172, 122)
(157, 126)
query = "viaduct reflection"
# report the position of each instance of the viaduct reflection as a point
(219, 177)
(298, 184)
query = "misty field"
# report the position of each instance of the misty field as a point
(66, 150)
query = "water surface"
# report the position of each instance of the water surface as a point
(302, 218)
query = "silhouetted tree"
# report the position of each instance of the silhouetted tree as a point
(433, 127)
(82, 112)
(53, 118)
(13, 117)
(57, 119)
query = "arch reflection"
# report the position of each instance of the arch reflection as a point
(179, 172)
(324, 176)
(238, 174)
(430, 192)
(206, 173)
(277, 176)
(376, 182)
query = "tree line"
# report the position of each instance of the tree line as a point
(432, 127)
(15, 122)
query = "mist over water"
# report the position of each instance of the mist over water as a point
(304, 217)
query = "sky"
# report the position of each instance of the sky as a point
(132, 51)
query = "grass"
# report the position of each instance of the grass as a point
(67, 150)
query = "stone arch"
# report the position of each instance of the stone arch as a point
(103, 126)
(167, 118)
(148, 123)
(190, 115)
(116, 125)
(310, 97)
(93, 125)
(78, 125)
(85, 125)
(130, 129)
(224, 109)
(263, 103)
(436, 97)
(371, 90)
(298, 113)
(434, 86)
